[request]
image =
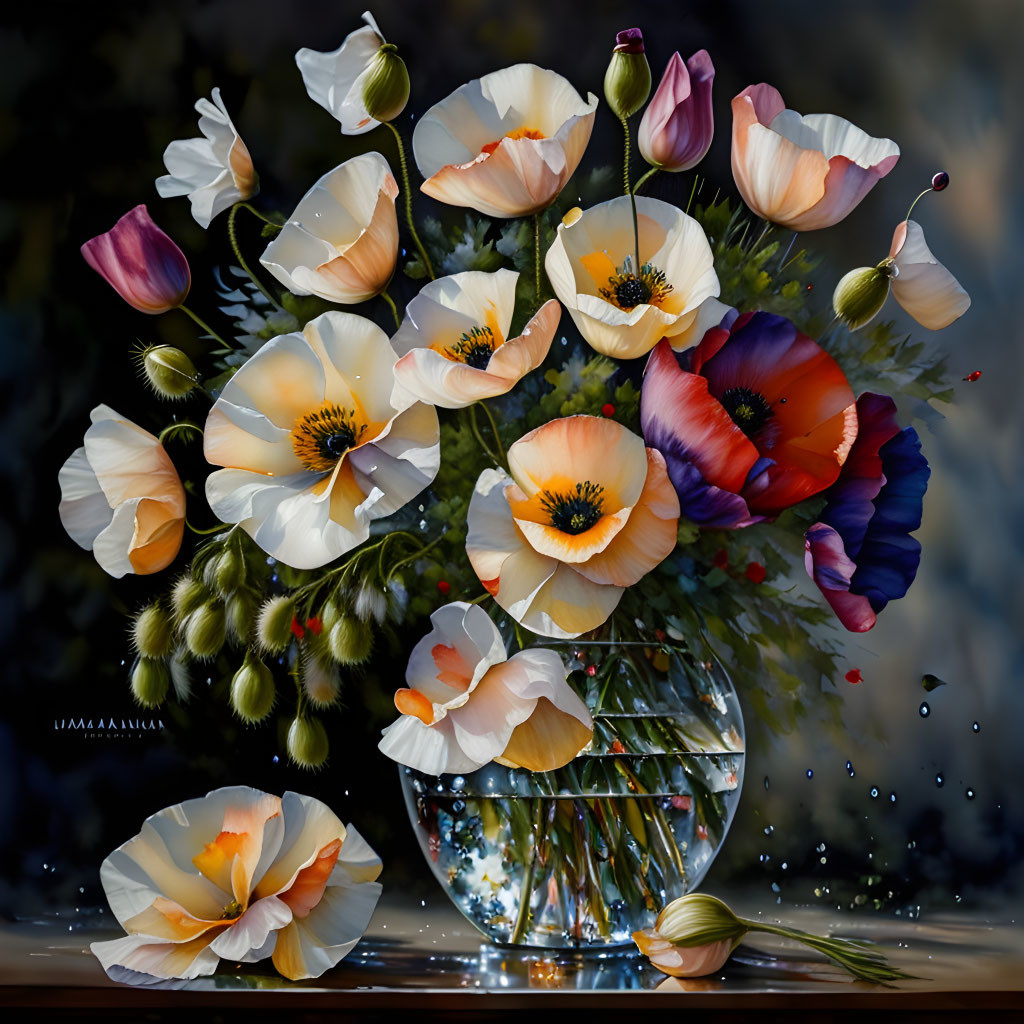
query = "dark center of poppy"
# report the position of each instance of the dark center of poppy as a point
(628, 289)
(748, 409)
(320, 438)
(231, 911)
(631, 291)
(474, 348)
(575, 511)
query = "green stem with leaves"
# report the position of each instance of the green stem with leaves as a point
(233, 239)
(394, 309)
(407, 189)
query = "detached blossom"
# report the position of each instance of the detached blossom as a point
(215, 172)
(802, 172)
(679, 123)
(141, 263)
(467, 703)
(921, 284)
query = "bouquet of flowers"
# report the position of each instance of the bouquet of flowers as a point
(595, 512)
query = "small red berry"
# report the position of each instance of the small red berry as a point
(444, 587)
(591, 670)
(660, 635)
(617, 748)
(721, 559)
(702, 831)
(854, 676)
(755, 572)
(973, 376)
(297, 628)
(940, 181)
(682, 803)
(315, 625)
(607, 409)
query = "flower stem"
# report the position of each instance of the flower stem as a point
(789, 249)
(760, 238)
(526, 888)
(693, 192)
(394, 309)
(411, 558)
(494, 430)
(219, 528)
(536, 254)
(256, 213)
(479, 437)
(174, 427)
(233, 238)
(917, 200)
(650, 174)
(629, 192)
(407, 188)
(205, 326)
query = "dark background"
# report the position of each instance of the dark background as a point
(91, 96)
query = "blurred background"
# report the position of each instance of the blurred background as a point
(919, 809)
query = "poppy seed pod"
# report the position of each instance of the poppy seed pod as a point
(186, 596)
(275, 624)
(349, 641)
(150, 681)
(386, 86)
(152, 631)
(627, 82)
(205, 630)
(170, 373)
(861, 294)
(252, 690)
(307, 742)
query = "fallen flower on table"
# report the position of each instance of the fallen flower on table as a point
(695, 935)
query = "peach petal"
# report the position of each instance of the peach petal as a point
(308, 888)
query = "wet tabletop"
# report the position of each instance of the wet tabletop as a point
(424, 956)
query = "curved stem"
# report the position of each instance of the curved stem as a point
(233, 239)
(219, 528)
(394, 309)
(536, 254)
(205, 326)
(693, 192)
(407, 188)
(917, 200)
(494, 430)
(644, 177)
(474, 427)
(411, 558)
(174, 427)
(256, 213)
(629, 192)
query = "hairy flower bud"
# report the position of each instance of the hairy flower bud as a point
(205, 630)
(386, 84)
(371, 602)
(241, 610)
(349, 640)
(274, 626)
(150, 681)
(330, 613)
(627, 82)
(152, 632)
(186, 596)
(860, 295)
(171, 374)
(252, 690)
(321, 683)
(307, 742)
(225, 573)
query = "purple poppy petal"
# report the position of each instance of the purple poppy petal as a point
(831, 569)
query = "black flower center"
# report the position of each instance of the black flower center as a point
(631, 291)
(628, 289)
(320, 438)
(575, 511)
(474, 348)
(748, 409)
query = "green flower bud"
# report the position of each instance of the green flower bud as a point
(152, 632)
(697, 918)
(252, 690)
(188, 594)
(205, 630)
(241, 609)
(861, 294)
(627, 82)
(329, 615)
(307, 742)
(274, 626)
(349, 640)
(169, 371)
(150, 681)
(386, 86)
(226, 572)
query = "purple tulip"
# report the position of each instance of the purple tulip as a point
(140, 263)
(678, 124)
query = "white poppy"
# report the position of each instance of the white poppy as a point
(921, 284)
(453, 344)
(313, 446)
(467, 703)
(341, 243)
(622, 310)
(240, 875)
(216, 171)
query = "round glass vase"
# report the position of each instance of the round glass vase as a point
(587, 854)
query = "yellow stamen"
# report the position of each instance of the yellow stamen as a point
(321, 438)
(519, 133)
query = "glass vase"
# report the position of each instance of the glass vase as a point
(587, 854)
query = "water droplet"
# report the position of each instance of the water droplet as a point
(874, 792)
(939, 780)
(892, 798)
(849, 770)
(810, 773)
(275, 759)
(766, 782)
(976, 727)
(924, 710)
(769, 829)
(969, 793)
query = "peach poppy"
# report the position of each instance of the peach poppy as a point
(623, 311)
(313, 447)
(215, 171)
(122, 498)
(693, 936)
(921, 284)
(804, 172)
(453, 344)
(467, 703)
(587, 512)
(239, 875)
(505, 144)
(341, 243)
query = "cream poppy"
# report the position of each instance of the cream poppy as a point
(621, 310)
(588, 511)
(341, 243)
(215, 171)
(313, 446)
(336, 80)
(453, 344)
(802, 172)
(505, 144)
(921, 284)
(239, 875)
(121, 497)
(467, 703)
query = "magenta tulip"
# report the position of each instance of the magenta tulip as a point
(140, 263)
(678, 124)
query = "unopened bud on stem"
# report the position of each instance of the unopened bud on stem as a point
(386, 85)
(627, 82)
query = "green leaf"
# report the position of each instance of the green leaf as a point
(931, 682)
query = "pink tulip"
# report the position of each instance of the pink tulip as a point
(140, 263)
(678, 124)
